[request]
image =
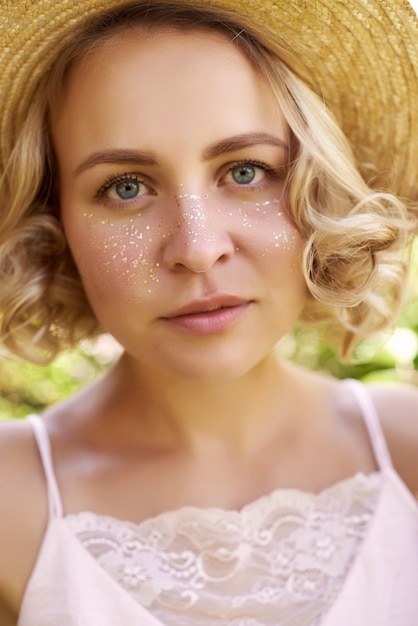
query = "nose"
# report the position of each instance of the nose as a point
(198, 237)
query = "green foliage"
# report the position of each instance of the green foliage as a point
(390, 356)
(28, 388)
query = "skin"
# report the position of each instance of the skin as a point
(187, 390)
(192, 233)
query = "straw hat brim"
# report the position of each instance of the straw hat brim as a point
(362, 55)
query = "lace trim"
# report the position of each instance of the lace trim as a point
(282, 559)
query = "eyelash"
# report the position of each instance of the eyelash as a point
(114, 180)
(272, 174)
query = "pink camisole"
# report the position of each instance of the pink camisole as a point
(345, 557)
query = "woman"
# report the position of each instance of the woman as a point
(172, 177)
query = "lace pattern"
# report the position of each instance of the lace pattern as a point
(282, 559)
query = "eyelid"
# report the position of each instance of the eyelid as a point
(114, 180)
(274, 173)
(136, 203)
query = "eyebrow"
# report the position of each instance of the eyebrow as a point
(137, 157)
(239, 142)
(115, 156)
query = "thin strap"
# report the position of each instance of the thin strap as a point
(372, 422)
(42, 440)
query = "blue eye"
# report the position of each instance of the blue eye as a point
(243, 174)
(124, 189)
(127, 189)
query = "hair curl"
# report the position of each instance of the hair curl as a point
(352, 261)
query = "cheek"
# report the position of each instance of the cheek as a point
(115, 259)
(269, 232)
(276, 247)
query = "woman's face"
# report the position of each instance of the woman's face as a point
(172, 156)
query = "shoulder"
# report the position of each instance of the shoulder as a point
(23, 508)
(18, 455)
(397, 407)
(19, 461)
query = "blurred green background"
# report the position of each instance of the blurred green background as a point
(27, 388)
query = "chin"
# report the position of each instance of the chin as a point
(216, 371)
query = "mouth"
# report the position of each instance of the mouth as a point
(207, 316)
(208, 305)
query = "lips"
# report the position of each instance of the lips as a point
(207, 305)
(206, 316)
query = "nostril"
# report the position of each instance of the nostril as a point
(197, 250)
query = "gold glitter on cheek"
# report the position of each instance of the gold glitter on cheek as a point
(282, 240)
(244, 218)
(271, 229)
(253, 215)
(125, 255)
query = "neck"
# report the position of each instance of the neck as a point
(238, 413)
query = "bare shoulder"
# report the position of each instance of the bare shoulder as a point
(397, 407)
(23, 509)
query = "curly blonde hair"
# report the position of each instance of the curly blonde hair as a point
(352, 261)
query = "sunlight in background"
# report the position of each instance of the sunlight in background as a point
(403, 345)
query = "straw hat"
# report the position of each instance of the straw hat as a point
(362, 55)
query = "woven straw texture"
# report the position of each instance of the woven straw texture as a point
(361, 54)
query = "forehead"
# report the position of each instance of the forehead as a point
(159, 47)
(162, 46)
(197, 82)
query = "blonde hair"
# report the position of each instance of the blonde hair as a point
(352, 261)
